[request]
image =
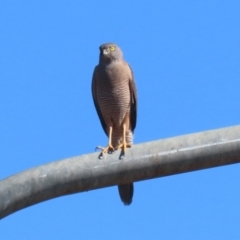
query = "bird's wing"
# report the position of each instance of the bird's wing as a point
(95, 100)
(133, 92)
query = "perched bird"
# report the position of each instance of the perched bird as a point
(115, 99)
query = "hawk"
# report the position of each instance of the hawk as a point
(115, 99)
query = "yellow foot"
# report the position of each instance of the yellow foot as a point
(123, 146)
(108, 149)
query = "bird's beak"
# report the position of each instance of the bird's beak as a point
(105, 51)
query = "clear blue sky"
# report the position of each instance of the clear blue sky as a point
(186, 60)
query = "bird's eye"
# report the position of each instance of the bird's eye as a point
(111, 48)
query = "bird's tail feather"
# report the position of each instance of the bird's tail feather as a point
(126, 193)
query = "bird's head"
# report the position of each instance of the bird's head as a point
(110, 52)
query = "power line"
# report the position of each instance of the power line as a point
(143, 161)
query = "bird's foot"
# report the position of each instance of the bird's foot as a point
(123, 146)
(109, 149)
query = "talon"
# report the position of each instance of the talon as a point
(108, 149)
(124, 144)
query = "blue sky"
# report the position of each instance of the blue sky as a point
(186, 59)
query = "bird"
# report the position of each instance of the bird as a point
(115, 98)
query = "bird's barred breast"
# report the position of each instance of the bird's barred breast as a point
(113, 93)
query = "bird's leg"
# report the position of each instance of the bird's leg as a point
(109, 148)
(124, 144)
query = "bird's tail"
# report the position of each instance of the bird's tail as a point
(126, 193)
